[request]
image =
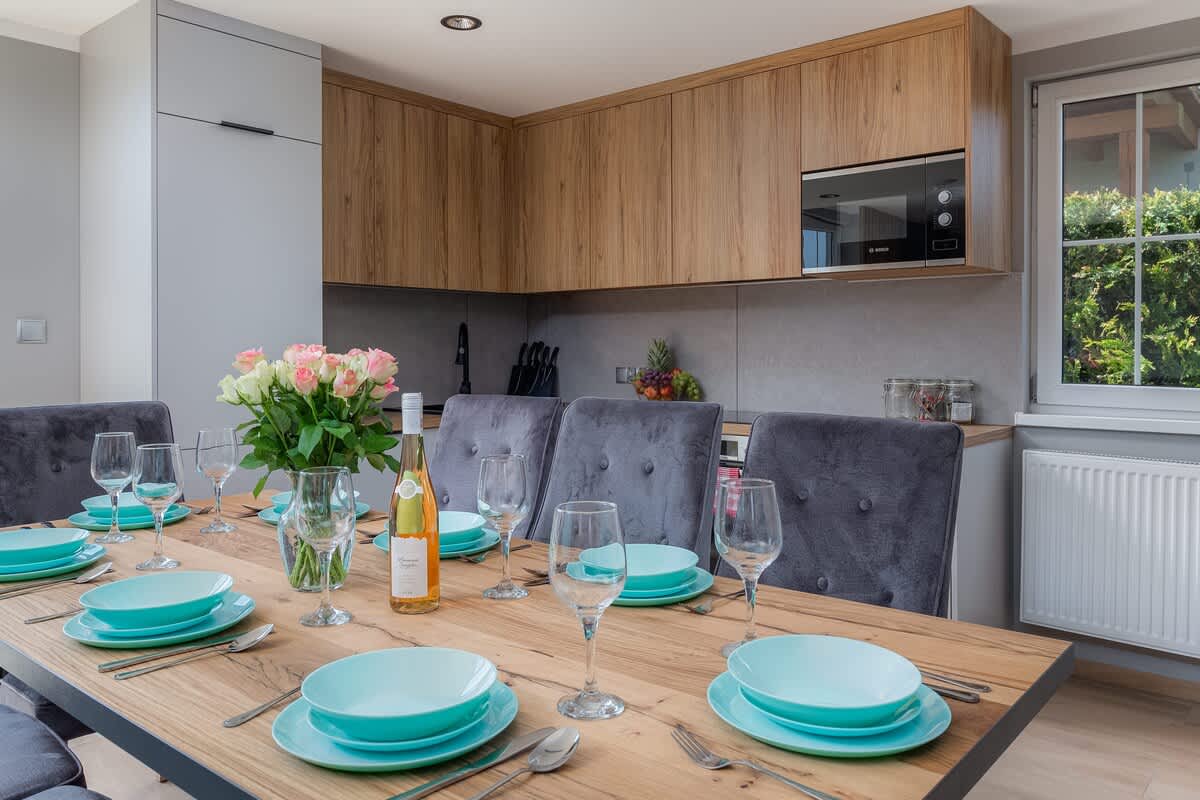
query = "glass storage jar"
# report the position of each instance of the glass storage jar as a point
(929, 399)
(960, 400)
(898, 398)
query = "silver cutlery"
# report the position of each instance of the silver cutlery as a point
(968, 685)
(246, 716)
(87, 577)
(46, 524)
(537, 582)
(706, 607)
(553, 751)
(707, 759)
(109, 666)
(954, 694)
(66, 612)
(479, 559)
(514, 748)
(243, 642)
(197, 509)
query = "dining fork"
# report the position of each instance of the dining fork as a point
(66, 612)
(968, 685)
(707, 759)
(706, 607)
(246, 716)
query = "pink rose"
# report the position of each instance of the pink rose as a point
(246, 359)
(381, 366)
(303, 354)
(384, 389)
(305, 380)
(346, 383)
(355, 351)
(329, 366)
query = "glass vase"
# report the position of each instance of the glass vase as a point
(300, 562)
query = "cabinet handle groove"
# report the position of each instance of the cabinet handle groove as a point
(252, 129)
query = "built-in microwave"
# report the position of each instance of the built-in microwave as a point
(907, 213)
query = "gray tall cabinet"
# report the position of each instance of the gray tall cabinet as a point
(200, 206)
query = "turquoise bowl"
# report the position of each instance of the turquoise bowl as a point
(39, 544)
(283, 499)
(647, 566)
(128, 507)
(399, 694)
(459, 527)
(824, 680)
(152, 600)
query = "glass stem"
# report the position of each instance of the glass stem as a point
(590, 623)
(114, 529)
(505, 567)
(217, 502)
(751, 604)
(326, 559)
(158, 526)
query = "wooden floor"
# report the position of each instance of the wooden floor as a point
(1092, 741)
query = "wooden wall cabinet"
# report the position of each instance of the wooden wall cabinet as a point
(480, 217)
(351, 237)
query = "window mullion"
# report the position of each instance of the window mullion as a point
(1139, 143)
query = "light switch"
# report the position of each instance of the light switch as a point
(31, 331)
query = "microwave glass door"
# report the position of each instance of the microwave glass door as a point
(865, 215)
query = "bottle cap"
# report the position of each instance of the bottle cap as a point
(411, 401)
(411, 404)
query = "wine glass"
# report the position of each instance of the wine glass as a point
(157, 483)
(748, 536)
(325, 521)
(112, 468)
(216, 459)
(592, 526)
(503, 499)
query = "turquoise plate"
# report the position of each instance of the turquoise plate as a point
(89, 554)
(702, 582)
(129, 508)
(233, 610)
(15, 569)
(904, 715)
(294, 734)
(459, 527)
(727, 701)
(89, 523)
(21, 547)
(282, 500)
(329, 728)
(486, 542)
(104, 629)
(647, 566)
(579, 570)
(158, 598)
(271, 515)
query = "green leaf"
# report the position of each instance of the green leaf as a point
(310, 437)
(376, 461)
(252, 461)
(392, 463)
(375, 443)
(258, 487)
(339, 429)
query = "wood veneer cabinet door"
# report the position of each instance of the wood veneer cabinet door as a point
(351, 244)
(631, 194)
(894, 100)
(736, 179)
(479, 209)
(410, 151)
(554, 224)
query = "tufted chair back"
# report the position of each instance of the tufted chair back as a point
(868, 505)
(656, 461)
(478, 425)
(46, 455)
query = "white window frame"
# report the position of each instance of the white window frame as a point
(1048, 242)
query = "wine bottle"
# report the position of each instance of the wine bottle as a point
(413, 521)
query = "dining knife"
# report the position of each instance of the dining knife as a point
(515, 375)
(109, 666)
(514, 748)
(955, 694)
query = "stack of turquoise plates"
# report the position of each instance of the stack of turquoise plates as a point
(655, 574)
(827, 696)
(45, 552)
(460, 533)
(280, 502)
(132, 515)
(160, 609)
(395, 709)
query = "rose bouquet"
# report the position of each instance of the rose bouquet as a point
(313, 408)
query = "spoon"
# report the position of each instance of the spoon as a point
(243, 642)
(86, 577)
(554, 751)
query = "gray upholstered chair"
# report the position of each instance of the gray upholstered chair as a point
(45, 464)
(33, 758)
(68, 793)
(656, 461)
(868, 505)
(45, 471)
(478, 425)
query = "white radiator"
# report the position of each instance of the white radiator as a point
(1110, 547)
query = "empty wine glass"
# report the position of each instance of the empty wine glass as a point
(112, 468)
(325, 521)
(216, 459)
(503, 499)
(748, 536)
(157, 483)
(586, 590)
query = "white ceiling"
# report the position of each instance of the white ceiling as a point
(535, 54)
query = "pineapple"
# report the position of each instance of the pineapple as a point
(659, 357)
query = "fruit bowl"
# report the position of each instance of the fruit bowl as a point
(661, 379)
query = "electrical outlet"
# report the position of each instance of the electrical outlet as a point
(626, 374)
(31, 331)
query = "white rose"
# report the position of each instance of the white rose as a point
(283, 374)
(228, 386)
(249, 388)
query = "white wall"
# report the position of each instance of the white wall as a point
(39, 221)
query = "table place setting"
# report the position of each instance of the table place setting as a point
(461, 534)
(35, 553)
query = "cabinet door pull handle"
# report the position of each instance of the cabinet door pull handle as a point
(252, 129)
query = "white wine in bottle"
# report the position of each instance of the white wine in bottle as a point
(413, 521)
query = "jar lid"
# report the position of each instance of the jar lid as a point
(960, 382)
(894, 381)
(929, 381)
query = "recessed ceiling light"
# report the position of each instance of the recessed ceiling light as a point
(461, 22)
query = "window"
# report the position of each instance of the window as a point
(1118, 239)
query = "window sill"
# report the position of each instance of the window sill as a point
(1179, 427)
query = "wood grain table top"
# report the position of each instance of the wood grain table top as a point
(660, 660)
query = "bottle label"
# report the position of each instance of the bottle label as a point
(410, 567)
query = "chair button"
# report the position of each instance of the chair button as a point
(864, 504)
(823, 583)
(887, 597)
(445, 499)
(474, 449)
(663, 539)
(604, 463)
(648, 468)
(802, 495)
(56, 467)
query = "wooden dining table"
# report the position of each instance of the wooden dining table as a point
(660, 660)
